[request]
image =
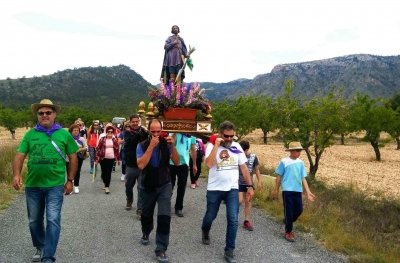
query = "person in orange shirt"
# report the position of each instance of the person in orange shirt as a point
(93, 139)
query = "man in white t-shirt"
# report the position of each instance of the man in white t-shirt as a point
(224, 158)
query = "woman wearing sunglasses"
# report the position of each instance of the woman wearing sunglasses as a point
(107, 152)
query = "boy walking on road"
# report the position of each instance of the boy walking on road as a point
(291, 175)
(253, 166)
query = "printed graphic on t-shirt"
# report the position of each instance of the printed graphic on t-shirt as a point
(226, 162)
(39, 156)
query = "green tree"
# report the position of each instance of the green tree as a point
(10, 119)
(371, 116)
(326, 116)
(265, 112)
(314, 123)
(394, 104)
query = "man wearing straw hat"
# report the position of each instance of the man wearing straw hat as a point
(48, 146)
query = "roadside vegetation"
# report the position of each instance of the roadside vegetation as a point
(344, 220)
(7, 193)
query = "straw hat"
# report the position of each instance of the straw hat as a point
(45, 103)
(294, 146)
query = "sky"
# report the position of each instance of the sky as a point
(233, 39)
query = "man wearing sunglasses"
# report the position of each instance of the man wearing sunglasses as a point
(48, 146)
(224, 158)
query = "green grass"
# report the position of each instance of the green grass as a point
(7, 193)
(346, 221)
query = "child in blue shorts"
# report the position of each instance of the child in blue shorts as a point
(291, 175)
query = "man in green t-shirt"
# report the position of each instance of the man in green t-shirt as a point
(48, 146)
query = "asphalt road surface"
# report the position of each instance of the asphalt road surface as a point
(97, 228)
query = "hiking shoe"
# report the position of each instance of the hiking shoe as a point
(206, 237)
(229, 256)
(145, 240)
(37, 256)
(128, 205)
(179, 212)
(139, 214)
(76, 189)
(162, 257)
(247, 225)
(289, 236)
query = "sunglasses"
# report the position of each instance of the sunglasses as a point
(228, 136)
(41, 113)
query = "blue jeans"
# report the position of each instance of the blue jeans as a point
(132, 175)
(38, 201)
(214, 199)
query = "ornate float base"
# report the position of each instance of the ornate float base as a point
(187, 126)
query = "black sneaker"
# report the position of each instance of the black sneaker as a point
(128, 206)
(37, 256)
(178, 212)
(139, 214)
(206, 237)
(229, 256)
(145, 240)
(162, 257)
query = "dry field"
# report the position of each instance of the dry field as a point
(352, 164)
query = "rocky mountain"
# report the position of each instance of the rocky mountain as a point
(108, 89)
(119, 89)
(377, 76)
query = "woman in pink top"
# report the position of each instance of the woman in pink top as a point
(107, 152)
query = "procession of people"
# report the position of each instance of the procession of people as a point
(154, 161)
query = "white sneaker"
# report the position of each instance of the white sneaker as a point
(123, 177)
(76, 189)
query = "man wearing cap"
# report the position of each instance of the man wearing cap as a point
(48, 146)
(291, 175)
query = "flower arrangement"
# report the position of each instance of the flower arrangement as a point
(180, 96)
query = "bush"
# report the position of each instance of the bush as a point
(6, 159)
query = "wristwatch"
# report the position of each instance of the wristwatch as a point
(250, 186)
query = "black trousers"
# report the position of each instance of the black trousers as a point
(293, 207)
(181, 172)
(195, 177)
(78, 172)
(106, 170)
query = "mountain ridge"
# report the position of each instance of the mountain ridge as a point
(120, 88)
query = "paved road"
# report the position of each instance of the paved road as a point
(96, 228)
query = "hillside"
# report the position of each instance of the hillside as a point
(119, 89)
(377, 76)
(101, 89)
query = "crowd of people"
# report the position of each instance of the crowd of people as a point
(155, 161)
